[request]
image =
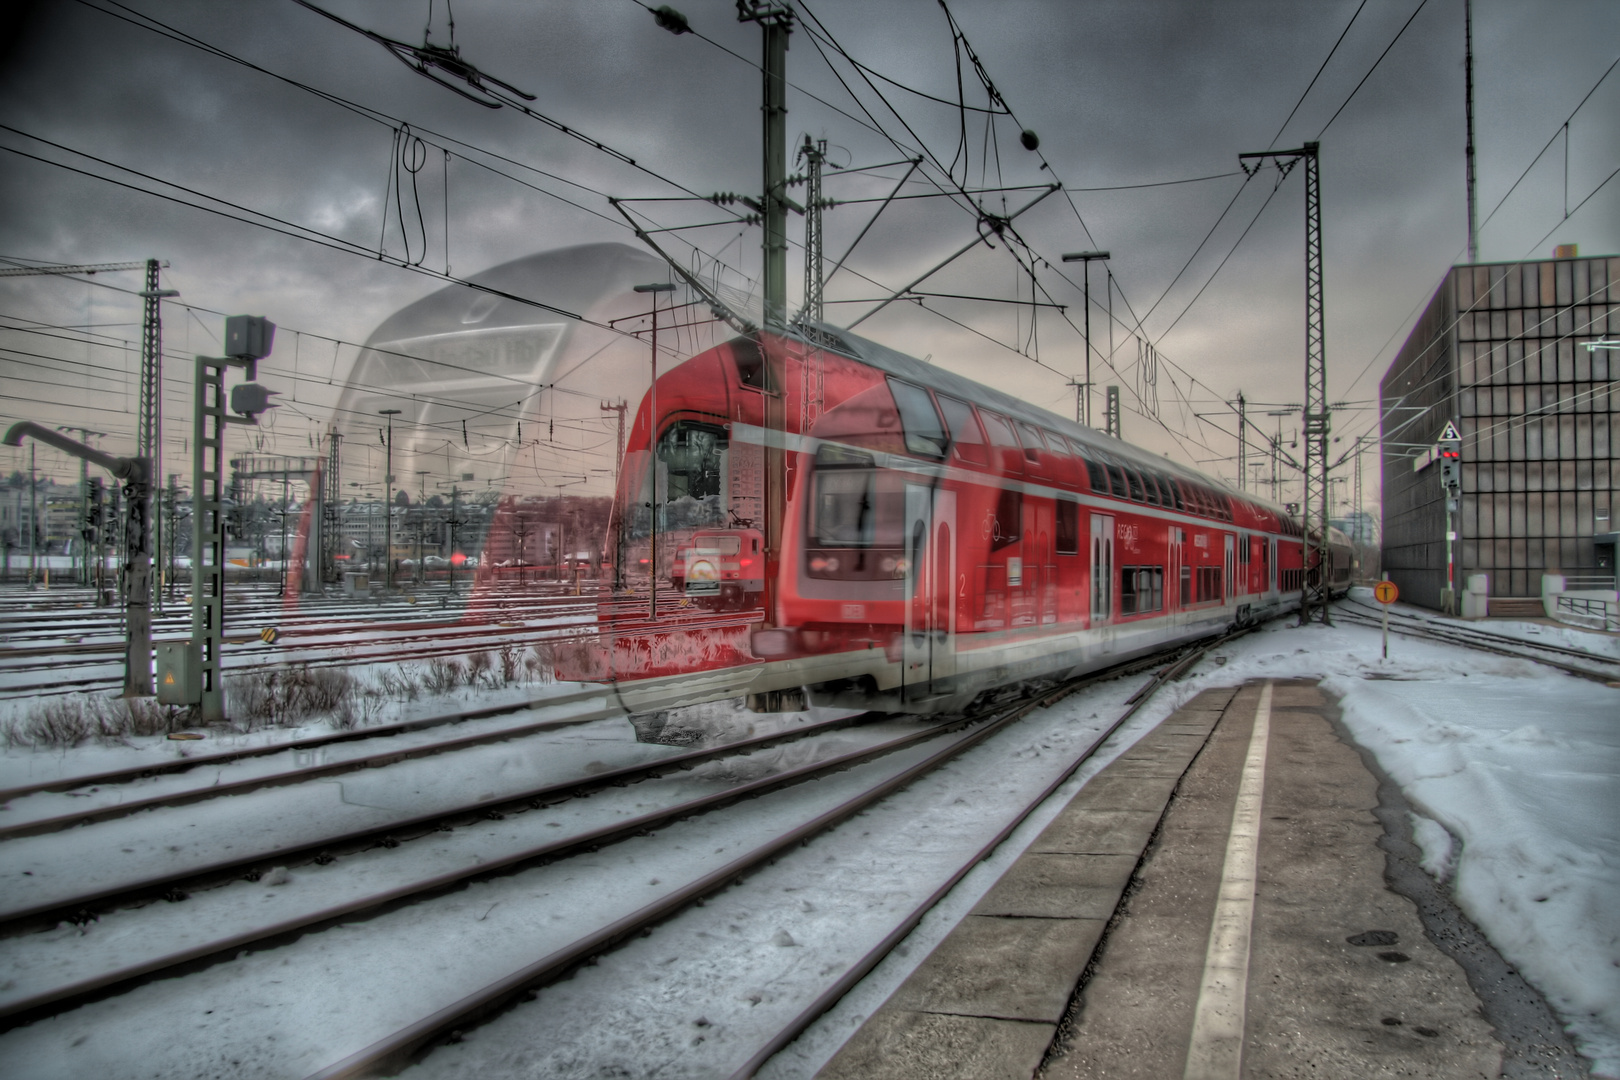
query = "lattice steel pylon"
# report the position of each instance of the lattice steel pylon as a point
(1111, 413)
(814, 152)
(149, 425)
(332, 534)
(1317, 417)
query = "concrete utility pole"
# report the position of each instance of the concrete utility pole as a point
(777, 23)
(1468, 92)
(135, 472)
(1317, 418)
(654, 505)
(1087, 257)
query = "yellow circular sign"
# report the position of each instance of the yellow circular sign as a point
(1385, 592)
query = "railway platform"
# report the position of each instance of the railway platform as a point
(1234, 897)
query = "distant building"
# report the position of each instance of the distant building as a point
(1501, 351)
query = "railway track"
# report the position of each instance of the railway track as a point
(1587, 665)
(900, 751)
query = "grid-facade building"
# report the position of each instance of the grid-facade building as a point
(1501, 351)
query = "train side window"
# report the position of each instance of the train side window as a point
(924, 433)
(1135, 478)
(967, 439)
(1151, 483)
(1095, 473)
(1068, 527)
(1141, 589)
(1008, 525)
(999, 430)
(1031, 438)
(1054, 443)
(1175, 493)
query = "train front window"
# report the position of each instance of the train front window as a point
(856, 520)
(692, 455)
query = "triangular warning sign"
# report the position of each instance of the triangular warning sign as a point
(1450, 434)
(168, 679)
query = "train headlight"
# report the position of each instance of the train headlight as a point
(824, 565)
(768, 644)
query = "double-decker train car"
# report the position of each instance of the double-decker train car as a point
(874, 531)
(464, 370)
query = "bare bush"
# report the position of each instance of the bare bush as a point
(480, 669)
(402, 684)
(286, 696)
(360, 710)
(443, 675)
(70, 720)
(510, 654)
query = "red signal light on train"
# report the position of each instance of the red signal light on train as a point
(458, 560)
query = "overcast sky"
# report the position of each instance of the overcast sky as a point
(1120, 94)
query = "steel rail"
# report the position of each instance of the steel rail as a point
(145, 771)
(28, 1009)
(397, 1048)
(1474, 641)
(433, 821)
(863, 967)
(1580, 654)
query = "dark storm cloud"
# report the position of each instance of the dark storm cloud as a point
(1120, 93)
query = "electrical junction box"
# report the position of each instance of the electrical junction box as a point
(179, 678)
(248, 337)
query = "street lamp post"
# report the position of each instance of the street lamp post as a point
(1086, 258)
(652, 446)
(388, 501)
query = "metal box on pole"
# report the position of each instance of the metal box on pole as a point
(177, 674)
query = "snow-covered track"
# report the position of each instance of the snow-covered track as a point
(1586, 664)
(395, 1050)
(581, 708)
(22, 1008)
(73, 781)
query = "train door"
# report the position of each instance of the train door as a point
(1102, 569)
(1231, 557)
(1271, 566)
(929, 650)
(1177, 586)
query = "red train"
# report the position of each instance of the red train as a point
(829, 520)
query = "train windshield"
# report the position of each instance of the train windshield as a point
(856, 505)
(692, 479)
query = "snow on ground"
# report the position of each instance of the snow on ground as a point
(1505, 762)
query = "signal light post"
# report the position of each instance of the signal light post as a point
(199, 678)
(1449, 450)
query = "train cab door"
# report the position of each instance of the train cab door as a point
(929, 649)
(1102, 569)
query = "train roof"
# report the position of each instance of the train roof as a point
(913, 370)
(568, 282)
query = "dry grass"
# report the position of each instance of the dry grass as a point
(66, 721)
(286, 697)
